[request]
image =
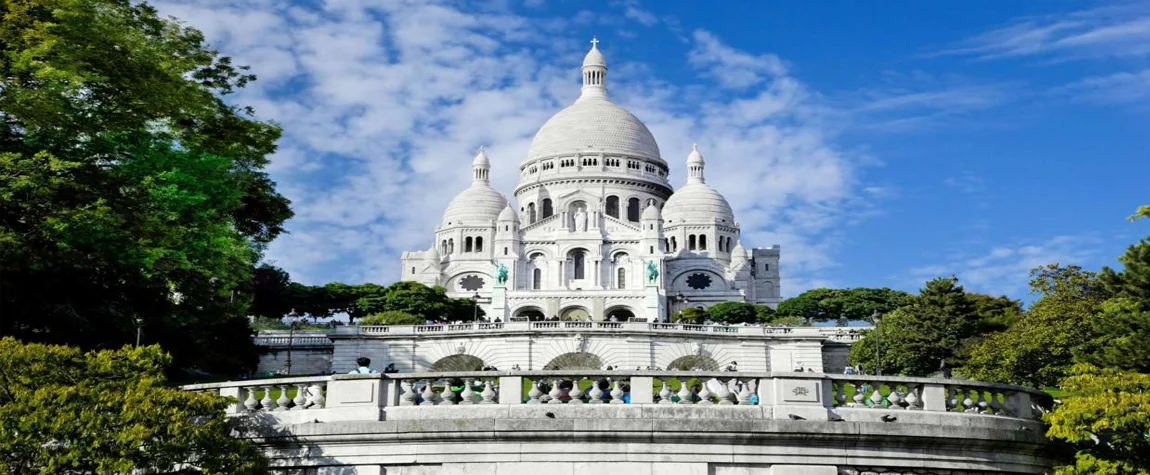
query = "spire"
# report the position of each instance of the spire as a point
(480, 167)
(695, 165)
(594, 72)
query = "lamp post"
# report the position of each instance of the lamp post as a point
(877, 344)
(681, 300)
(291, 336)
(475, 312)
(139, 330)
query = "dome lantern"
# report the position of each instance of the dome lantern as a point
(695, 165)
(481, 167)
(594, 72)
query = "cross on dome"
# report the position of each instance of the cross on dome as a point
(594, 42)
(594, 72)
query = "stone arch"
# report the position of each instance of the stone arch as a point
(692, 363)
(622, 313)
(532, 312)
(577, 360)
(457, 363)
(575, 312)
(611, 207)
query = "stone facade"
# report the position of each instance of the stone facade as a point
(599, 232)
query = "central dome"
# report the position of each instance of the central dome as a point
(594, 124)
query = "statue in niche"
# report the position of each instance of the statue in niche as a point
(652, 272)
(580, 218)
(500, 274)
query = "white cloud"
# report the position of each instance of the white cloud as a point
(383, 105)
(1123, 87)
(1005, 269)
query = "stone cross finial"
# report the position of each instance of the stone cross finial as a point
(594, 42)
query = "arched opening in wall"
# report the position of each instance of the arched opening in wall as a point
(693, 363)
(534, 314)
(691, 242)
(620, 279)
(479, 244)
(575, 313)
(443, 247)
(578, 258)
(702, 242)
(579, 360)
(612, 207)
(547, 209)
(451, 246)
(537, 279)
(633, 209)
(577, 211)
(457, 363)
(619, 314)
(674, 244)
(467, 244)
(530, 213)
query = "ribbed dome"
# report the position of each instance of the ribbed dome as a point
(697, 203)
(508, 214)
(594, 124)
(651, 213)
(478, 204)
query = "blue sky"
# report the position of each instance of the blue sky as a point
(880, 143)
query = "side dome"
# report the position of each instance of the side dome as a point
(651, 213)
(508, 214)
(697, 203)
(594, 124)
(479, 204)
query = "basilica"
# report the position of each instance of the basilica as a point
(596, 231)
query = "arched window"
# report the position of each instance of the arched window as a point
(612, 206)
(537, 279)
(578, 265)
(547, 210)
(622, 278)
(691, 242)
(633, 209)
(467, 244)
(479, 244)
(530, 213)
(412, 270)
(702, 242)
(674, 244)
(505, 251)
(443, 247)
(451, 246)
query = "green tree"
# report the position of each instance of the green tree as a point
(391, 317)
(765, 314)
(995, 313)
(857, 304)
(270, 286)
(734, 312)
(1040, 348)
(1105, 415)
(131, 194)
(810, 305)
(916, 338)
(63, 411)
(693, 315)
(1122, 330)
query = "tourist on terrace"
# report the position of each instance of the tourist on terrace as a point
(364, 366)
(798, 366)
(390, 369)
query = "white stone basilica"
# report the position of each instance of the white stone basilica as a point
(599, 232)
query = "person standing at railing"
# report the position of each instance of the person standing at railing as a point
(390, 369)
(364, 366)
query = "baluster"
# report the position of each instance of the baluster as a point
(725, 393)
(995, 405)
(968, 404)
(283, 400)
(316, 394)
(665, 394)
(267, 401)
(841, 393)
(913, 402)
(251, 402)
(617, 394)
(576, 393)
(489, 392)
(407, 398)
(534, 393)
(876, 397)
(427, 394)
(745, 394)
(596, 394)
(447, 396)
(984, 403)
(952, 398)
(860, 396)
(467, 396)
(684, 392)
(894, 400)
(300, 400)
(705, 396)
(556, 393)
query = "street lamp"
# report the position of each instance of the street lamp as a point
(475, 313)
(877, 356)
(139, 330)
(681, 300)
(291, 336)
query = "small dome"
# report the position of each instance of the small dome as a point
(481, 158)
(651, 213)
(695, 157)
(697, 203)
(478, 204)
(739, 253)
(508, 214)
(594, 57)
(594, 124)
(431, 254)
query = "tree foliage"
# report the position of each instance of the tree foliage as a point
(1040, 348)
(1105, 415)
(63, 411)
(131, 194)
(693, 315)
(857, 304)
(391, 317)
(733, 312)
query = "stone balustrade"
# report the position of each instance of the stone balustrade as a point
(844, 334)
(283, 339)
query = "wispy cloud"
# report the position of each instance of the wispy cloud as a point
(1108, 31)
(383, 106)
(1120, 88)
(1005, 269)
(904, 102)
